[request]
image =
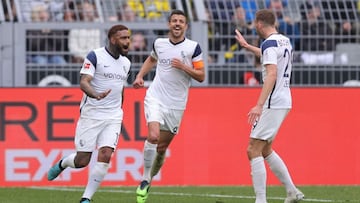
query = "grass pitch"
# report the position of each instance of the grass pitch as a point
(173, 194)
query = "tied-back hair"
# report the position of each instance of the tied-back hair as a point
(114, 29)
(177, 12)
(266, 16)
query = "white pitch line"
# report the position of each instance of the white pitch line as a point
(182, 194)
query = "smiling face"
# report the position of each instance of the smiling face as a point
(177, 26)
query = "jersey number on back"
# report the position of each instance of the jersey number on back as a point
(287, 56)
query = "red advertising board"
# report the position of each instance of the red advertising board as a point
(318, 141)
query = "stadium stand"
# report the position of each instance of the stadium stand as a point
(212, 23)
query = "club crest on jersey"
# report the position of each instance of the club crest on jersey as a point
(183, 56)
(82, 143)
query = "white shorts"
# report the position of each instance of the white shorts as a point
(91, 133)
(268, 124)
(169, 119)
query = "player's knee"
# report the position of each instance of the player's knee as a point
(252, 153)
(153, 137)
(104, 155)
(82, 160)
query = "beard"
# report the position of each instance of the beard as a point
(121, 51)
(177, 33)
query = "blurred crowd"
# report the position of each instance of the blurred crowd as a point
(48, 46)
(315, 27)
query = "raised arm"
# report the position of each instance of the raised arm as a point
(243, 43)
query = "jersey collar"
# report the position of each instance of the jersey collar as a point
(177, 42)
(111, 53)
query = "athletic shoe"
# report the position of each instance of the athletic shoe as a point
(85, 200)
(142, 191)
(55, 171)
(294, 197)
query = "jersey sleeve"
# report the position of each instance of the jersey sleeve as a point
(197, 58)
(89, 64)
(153, 51)
(268, 51)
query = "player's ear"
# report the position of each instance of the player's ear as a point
(111, 40)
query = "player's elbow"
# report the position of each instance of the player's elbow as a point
(200, 78)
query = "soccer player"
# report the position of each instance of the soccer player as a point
(103, 76)
(178, 60)
(273, 105)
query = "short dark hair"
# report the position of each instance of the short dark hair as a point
(266, 16)
(177, 12)
(114, 29)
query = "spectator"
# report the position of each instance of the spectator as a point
(137, 7)
(317, 36)
(317, 33)
(240, 23)
(9, 11)
(215, 42)
(138, 45)
(56, 10)
(69, 12)
(83, 40)
(246, 28)
(150, 9)
(127, 14)
(286, 25)
(44, 44)
(110, 10)
(138, 52)
(119, 11)
(138, 42)
(250, 8)
(344, 18)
